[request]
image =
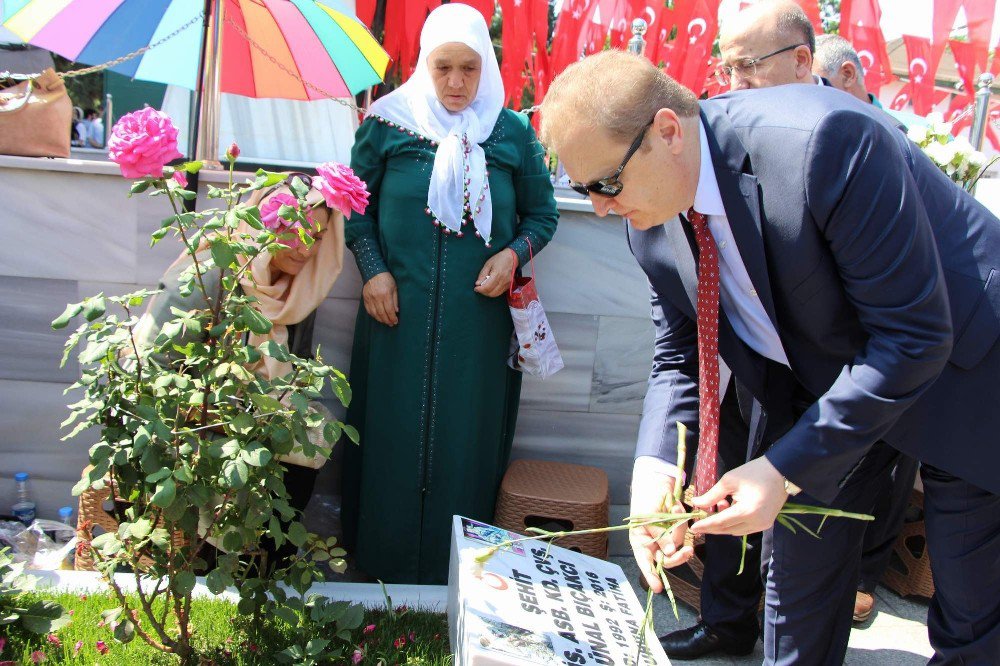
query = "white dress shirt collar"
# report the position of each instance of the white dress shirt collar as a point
(707, 197)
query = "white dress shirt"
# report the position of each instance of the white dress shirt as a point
(737, 295)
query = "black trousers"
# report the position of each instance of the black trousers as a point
(963, 540)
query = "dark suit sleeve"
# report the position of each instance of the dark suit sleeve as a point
(672, 394)
(862, 196)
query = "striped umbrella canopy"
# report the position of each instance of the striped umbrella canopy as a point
(286, 49)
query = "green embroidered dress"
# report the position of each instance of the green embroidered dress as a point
(434, 400)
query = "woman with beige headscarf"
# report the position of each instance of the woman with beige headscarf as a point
(288, 287)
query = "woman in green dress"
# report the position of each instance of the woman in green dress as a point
(460, 196)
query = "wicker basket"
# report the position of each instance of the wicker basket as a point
(909, 572)
(92, 512)
(539, 492)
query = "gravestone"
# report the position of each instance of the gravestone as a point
(534, 604)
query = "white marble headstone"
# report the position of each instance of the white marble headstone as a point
(531, 604)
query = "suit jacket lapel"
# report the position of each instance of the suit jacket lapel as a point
(741, 199)
(680, 236)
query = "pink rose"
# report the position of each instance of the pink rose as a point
(357, 657)
(279, 225)
(101, 647)
(37, 657)
(232, 152)
(142, 142)
(54, 640)
(369, 629)
(77, 648)
(341, 189)
(181, 178)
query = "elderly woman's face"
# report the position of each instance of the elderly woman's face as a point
(291, 260)
(455, 70)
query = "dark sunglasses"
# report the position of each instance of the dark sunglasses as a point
(611, 186)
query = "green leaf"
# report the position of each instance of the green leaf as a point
(165, 494)
(94, 307)
(111, 615)
(140, 186)
(72, 310)
(316, 646)
(287, 614)
(255, 321)
(158, 475)
(275, 351)
(242, 423)
(223, 253)
(184, 582)
(256, 455)
(141, 528)
(43, 617)
(352, 433)
(218, 580)
(299, 189)
(191, 167)
(331, 431)
(232, 541)
(266, 403)
(125, 631)
(297, 534)
(236, 473)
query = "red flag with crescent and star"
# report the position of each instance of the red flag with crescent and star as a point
(860, 25)
(697, 26)
(922, 69)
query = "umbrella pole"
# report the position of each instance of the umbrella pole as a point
(205, 137)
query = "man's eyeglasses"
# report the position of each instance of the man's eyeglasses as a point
(611, 186)
(746, 68)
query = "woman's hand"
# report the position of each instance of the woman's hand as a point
(494, 278)
(381, 299)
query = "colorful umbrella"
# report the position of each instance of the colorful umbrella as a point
(288, 49)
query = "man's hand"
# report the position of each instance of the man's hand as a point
(758, 492)
(381, 299)
(649, 490)
(494, 278)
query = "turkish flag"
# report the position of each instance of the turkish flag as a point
(658, 48)
(859, 24)
(922, 70)
(516, 43)
(966, 57)
(943, 21)
(541, 63)
(485, 7)
(979, 17)
(573, 17)
(901, 99)
(993, 117)
(697, 25)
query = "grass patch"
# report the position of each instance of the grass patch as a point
(224, 637)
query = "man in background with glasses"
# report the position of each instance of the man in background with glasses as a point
(770, 43)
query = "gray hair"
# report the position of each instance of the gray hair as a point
(614, 91)
(832, 51)
(793, 21)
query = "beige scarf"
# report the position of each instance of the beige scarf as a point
(284, 299)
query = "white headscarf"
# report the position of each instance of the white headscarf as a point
(460, 163)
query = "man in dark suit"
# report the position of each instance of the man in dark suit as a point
(850, 286)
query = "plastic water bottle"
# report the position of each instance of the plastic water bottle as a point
(65, 516)
(24, 508)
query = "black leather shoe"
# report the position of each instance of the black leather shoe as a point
(700, 640)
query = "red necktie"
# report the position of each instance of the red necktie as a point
(706, 472)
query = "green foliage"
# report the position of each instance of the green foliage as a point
(190, 437)
(38, 616)
(227, 637)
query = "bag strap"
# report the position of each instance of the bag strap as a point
(13, 107)
(531, 262)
